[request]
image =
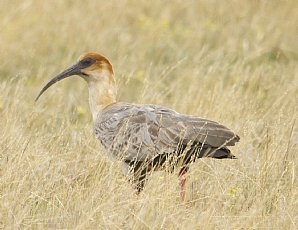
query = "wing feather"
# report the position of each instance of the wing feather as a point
(142, 131)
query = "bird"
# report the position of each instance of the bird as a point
(145, 137)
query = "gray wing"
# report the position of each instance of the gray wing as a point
(137, 132)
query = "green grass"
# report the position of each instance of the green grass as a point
(231, 61)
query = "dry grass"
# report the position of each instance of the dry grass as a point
(231, 61)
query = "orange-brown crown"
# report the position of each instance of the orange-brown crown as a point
(100, 61)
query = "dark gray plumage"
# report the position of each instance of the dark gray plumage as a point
(147, 137)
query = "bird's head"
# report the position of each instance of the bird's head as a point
(92, 67)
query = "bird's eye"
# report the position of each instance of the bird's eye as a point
(87, 62)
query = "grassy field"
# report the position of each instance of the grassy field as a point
(231, 61)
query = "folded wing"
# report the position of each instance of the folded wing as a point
(138, 132)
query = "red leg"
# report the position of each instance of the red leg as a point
(182, 176)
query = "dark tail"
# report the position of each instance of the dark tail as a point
(222, 153)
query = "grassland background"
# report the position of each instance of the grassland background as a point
(231, 61)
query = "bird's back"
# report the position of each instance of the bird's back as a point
(145, 132)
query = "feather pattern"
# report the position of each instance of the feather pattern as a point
(141, 132)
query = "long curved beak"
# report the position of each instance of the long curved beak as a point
(73, 70)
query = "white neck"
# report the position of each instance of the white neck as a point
(102, 92)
